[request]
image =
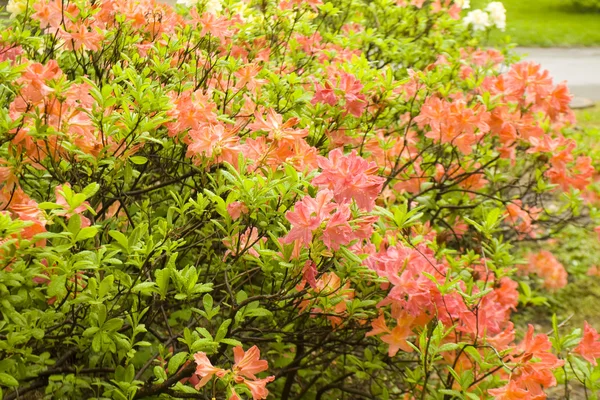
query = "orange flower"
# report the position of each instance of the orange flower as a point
(589, 347)
(547, 267)
(397, 337)
(248, 363)
(278, 130)
(258, 387)
(511, 391)
(206, 370)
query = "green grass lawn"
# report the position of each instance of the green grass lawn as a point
(547, 23)
(589, 118)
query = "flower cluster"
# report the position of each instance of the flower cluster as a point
(545, 265)
(493, 15)
(246, 365)
(346, 186)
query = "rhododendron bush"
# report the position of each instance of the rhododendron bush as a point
(286, 199)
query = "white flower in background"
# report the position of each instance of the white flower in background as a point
(497, 14)
(214, 6)
(16, 7)
(187, 3)
(480, 20)
(463, 4)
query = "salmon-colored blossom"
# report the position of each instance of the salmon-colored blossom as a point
(350, 177)
(217, 143)
(307, 216)
(396, 338)
(248, 363)
(589, 347)
(277, 129)
(547, 267)
(258, 387)
(511, 391)
(206, 370)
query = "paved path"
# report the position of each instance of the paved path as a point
(580, 67)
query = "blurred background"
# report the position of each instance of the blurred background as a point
(562, 35)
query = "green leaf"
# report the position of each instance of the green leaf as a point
(144, 288)
(90, 190)
(91, 331)
(207, 301)
(140, 160)
(258, 312)
(8, 380)
(121, 239)
(48, 206)
(105, 286)
(97, 343)
(176, 361)
(222, 331)
(113, 324)
(184, 389)
(448, 347)
(86, 233)
(231, 342)
(129, 373)
(74, 224)
(162, 280)
(57, 285)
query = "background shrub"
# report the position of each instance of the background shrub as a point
(589, 5)
(337, 193)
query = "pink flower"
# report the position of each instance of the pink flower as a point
(324, 94)
(307, 216)
(511, 391)
(528, 78)
(78, 36)
(309, 273)
(209, 23)
(338, 231)
(206, 370)
(277, 129)
(350, 177)
(242, 243)
(247, 77)
(396, 338)
(233, 395)
(589, 347)
(547, 267)
(48, 13)
(258, 387)
(535, 363)
(248, 363)
(35, 77)
(236, 209)
(355, 101)
(215, 142)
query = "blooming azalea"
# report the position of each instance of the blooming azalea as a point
(206, 370)
(589, 347)
(338, 231)
(215, 142)
(258, 387)
(307, 216)
(511, 391)
(350, 177)
(248, 363)
(397, 337)
(277, 129)
(547, 267)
